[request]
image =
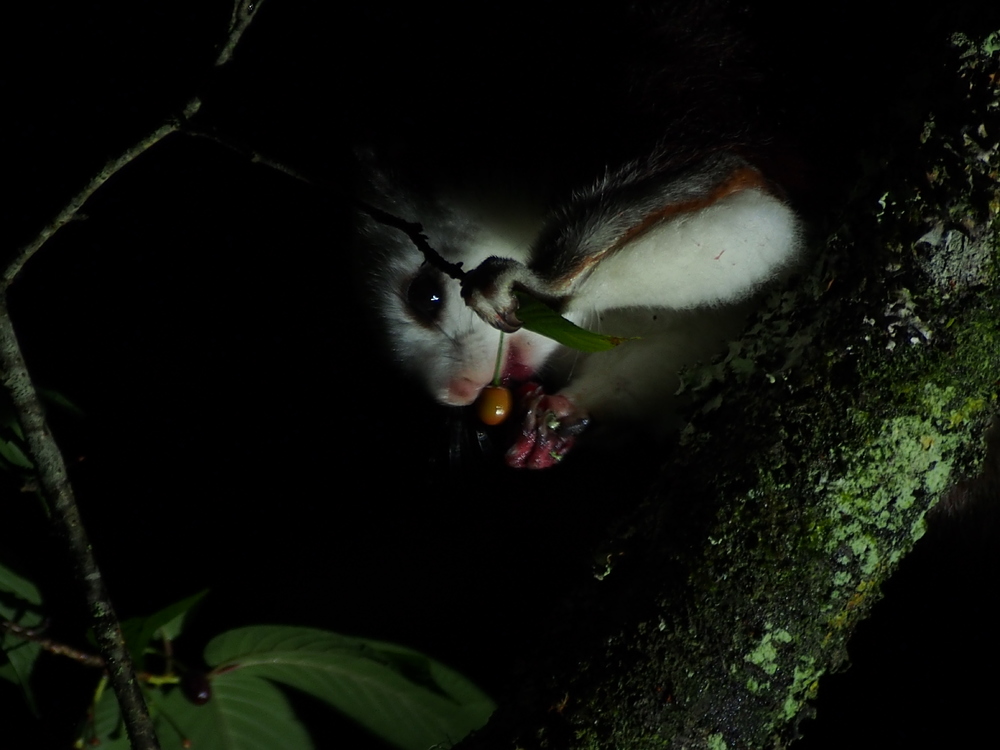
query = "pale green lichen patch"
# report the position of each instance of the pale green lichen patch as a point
(805, 684)
(766, 653)
(765, 656)
(911, 456)
(875, 508)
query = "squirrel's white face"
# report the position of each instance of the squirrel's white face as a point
(432, 333)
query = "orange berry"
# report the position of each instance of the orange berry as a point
(494, 404)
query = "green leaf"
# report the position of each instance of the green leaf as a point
(536, 316)
(7, 416)
(19, 586)
(408, 699)
(19, 598)
(21, 656)
(139, 632)
(12, 452)
(171, 618)
(55, 397)
(244, 713)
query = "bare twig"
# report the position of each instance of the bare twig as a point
(243, 13)
(53, 647)
(58, 491)
(413, 230)
(87, 659)
(43, 449)
(68, 212)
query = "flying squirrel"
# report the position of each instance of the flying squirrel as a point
(672, 256)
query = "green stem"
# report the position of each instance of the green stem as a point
(496, 368)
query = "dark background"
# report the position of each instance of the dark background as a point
(243, 431)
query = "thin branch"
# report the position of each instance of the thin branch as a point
(45, 453)
(65, 513)
(73, 206)
(413, 230)
(87, 659)
(244, 12)
(34, 635)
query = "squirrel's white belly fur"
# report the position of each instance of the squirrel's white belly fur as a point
(670, 257)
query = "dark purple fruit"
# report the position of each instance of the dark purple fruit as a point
(196, 687)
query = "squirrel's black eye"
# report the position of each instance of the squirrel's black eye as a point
(425, 296)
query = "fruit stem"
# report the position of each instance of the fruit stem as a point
(496, 369)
